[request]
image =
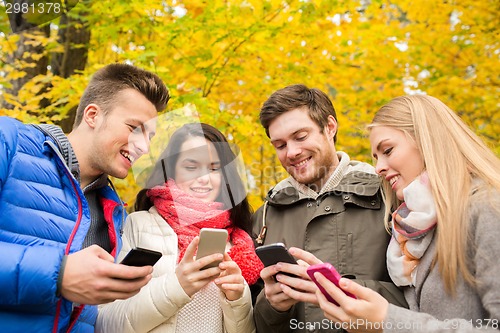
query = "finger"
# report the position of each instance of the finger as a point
(202, 262)
(358, 290)
(335, 292)
(329, 309)
(267, 274)
(230, 266)
(273, 291)
(124, 291)
(190, 250)
(299, 295)
(297, 283)
(237, 287)
(235, 278)
(302, 263)
(124, 272)
(304, 255)
(276, 295)
(294, 269)
(101, 253)
(227, 257)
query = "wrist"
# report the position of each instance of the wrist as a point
(61, 276)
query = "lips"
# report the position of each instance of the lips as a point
(201, 190)
(128, 156)
(393, 180)
(301, 163)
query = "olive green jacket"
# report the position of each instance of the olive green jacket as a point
(343, 226)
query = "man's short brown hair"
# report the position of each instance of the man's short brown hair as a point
(108, 81)
(318, 105)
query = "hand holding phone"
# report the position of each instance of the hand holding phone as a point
(331, 274)
(141, 257)
(274, 253)
(211, 241)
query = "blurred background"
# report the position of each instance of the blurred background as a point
(222, 59)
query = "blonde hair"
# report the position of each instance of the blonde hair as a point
(453, 155)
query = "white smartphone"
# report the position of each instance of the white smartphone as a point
(211, 241)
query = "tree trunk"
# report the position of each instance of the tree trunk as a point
(22, 59)
(74, 35)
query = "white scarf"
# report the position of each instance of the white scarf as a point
(413, 225)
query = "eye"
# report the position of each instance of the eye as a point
(279, 146)
(190, 167)
(301, 138)
(388, 151)
(215, 167)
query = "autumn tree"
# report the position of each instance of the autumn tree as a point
(227, 57)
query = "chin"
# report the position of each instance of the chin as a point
(119, 174)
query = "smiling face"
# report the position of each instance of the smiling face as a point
(198, 169)
(307, 153)
(398, 160)
(122, 135)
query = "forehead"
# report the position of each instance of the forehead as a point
(131, 105)
(198, 148)
(381, 134)
(290, 123)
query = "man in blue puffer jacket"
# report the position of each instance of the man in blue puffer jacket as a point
(60, 217)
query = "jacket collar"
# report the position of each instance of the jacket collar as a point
(355, 182)
(63, 145)
(349, 177)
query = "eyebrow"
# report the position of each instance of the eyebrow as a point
(190, 160)
(380, 143)
(139, 123)
(294, 133)
(378, 146)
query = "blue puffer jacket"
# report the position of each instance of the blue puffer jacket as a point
(43, 216)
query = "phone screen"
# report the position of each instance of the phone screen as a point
(141, 257)
(274, 253)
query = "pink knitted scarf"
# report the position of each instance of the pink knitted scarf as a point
(187, 215)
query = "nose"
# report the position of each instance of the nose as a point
(141, 141)
(142, 146)
(380, 166)
(293, 150)
(203, 178)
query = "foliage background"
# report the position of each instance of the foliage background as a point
(226, 57)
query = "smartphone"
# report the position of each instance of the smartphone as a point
(331, 274)
(141, 257)
(211, 241)
(274, 253)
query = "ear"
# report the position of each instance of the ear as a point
(331, 127)
(91, 115)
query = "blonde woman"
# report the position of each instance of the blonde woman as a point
(443, 188)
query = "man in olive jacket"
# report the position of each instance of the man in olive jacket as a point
(329, 208)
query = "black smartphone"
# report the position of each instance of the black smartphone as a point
(274, 253)
(141, 257)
